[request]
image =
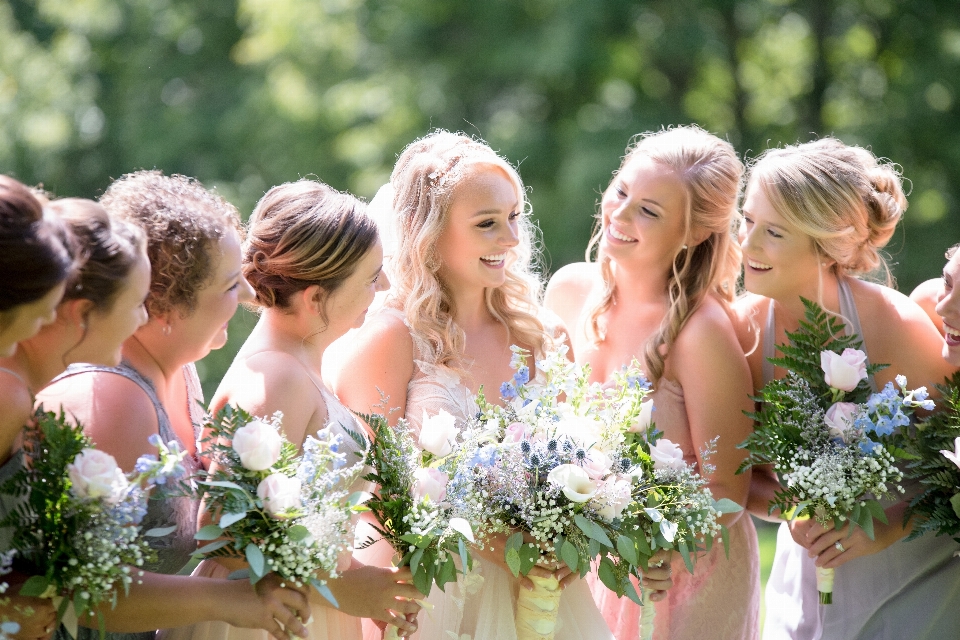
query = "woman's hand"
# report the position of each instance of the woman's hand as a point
(493, 552)
(835, 547)
(267, 606)
(657, 578)
(384, 594)
(37, 617)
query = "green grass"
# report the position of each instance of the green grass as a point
(767, 535)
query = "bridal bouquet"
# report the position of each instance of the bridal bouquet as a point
(577, 478)
(815, 426)
(933, 454)
(76, 526)
(281, 512)
(412, 504)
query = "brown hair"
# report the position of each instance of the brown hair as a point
(107, 250)
(183, 222)
(301, 234)
(36, 250)
(711, 174)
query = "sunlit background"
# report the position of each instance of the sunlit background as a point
(246, 94)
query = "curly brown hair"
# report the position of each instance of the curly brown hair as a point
(183, 222)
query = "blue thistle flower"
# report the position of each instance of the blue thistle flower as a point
(525, 447)
(580, 455)
(552, 446)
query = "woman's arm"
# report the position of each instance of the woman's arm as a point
(708, 363)
(158, 601)
(377, 366)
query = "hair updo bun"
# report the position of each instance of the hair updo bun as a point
(842, 196)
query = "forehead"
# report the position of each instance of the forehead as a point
(953, 266)
(757, 204)
(653, 180)
(485, 185)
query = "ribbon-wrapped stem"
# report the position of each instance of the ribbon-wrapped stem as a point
(537, 609)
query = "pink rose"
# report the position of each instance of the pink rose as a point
(844, 371)
(279, 493)
(597, 464)
(430, 484)
(839, 418)
(515, 432)
(666, 455)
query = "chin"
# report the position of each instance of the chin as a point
(951, 355)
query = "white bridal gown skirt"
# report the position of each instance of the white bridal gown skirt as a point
(481, 604)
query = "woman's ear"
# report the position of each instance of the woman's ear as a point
(698, 235)
(313, 298)
(73, 313)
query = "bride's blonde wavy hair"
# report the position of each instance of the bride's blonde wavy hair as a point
(712, 177)
(425, 181)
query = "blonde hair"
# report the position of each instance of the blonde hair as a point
(841, 196)
(711, 175)
(425, 181)
(301, 234)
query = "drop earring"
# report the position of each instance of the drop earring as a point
(167, 330)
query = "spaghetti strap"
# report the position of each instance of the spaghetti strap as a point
(15, 375)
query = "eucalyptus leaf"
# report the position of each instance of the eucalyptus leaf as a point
(209, 532)
(159, 532)
(256, 561)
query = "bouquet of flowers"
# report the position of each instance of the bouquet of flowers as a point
(815, 426)
(581, 478)
(282, 512)
(411, 504)
(76, 527)
(933, 454)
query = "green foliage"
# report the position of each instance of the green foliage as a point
(394, 456)
(937, 507)
(245, 94)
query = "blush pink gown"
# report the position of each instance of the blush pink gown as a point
(721, 599)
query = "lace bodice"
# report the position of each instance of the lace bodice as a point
(434, 387)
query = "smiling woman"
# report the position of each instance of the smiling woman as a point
(192, 288)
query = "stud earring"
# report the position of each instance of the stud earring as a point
(167, 330)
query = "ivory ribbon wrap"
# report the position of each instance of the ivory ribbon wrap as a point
(825, 584)
(391, 633)
(537, 609)
(647, 613)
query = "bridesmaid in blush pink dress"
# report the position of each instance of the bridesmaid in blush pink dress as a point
(659, 291)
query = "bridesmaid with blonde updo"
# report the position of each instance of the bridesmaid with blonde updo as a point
(815, 218)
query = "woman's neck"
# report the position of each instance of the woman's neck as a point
(638, 287)
(294, 333)
(159, 365)
(825, 291)
(43, 357)
(470, 309)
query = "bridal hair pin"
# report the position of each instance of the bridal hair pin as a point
(438, 177)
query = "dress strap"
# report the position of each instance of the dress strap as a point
(124, 369)
(15, 375)
(769, 345)
(848, 309)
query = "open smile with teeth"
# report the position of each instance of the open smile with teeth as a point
(952, 335)
(619, 236)
(753, 264)
(495, 259)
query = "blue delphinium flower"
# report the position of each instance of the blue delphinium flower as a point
(522, 376)
(507, 391)
(484, 457)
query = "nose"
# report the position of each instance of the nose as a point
(511, 238)
(246, 293)
(383, 282)
(744, 235)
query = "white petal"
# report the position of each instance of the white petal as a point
(462, 526)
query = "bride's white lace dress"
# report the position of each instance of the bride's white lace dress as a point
(481, 605)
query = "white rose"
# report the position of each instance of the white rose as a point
(845, 370)
(429, 483)
(666, 455)
(616, 497)
(95, 474)
(839, 418)
(258, 445)
(645, 417)
(574, 481)
(438, 433)
(279, 492)
(583, 429)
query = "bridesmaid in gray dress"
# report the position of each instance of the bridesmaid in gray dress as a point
(102, 305)
(814, 219)
(194, 284)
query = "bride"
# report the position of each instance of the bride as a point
(463, 293)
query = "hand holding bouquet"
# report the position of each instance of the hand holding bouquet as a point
(566, 469)
(282, 512)
(815, 426)
(76, 529)
(411, 504)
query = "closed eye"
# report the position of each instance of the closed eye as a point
(649, 212)
(774, 233)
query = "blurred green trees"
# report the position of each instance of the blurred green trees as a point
(245, 94)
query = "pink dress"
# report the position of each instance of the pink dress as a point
(721, 599)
